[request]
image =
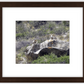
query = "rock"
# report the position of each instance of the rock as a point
(49, 46)
(57, 52)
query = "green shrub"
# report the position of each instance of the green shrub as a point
(20, 35)
(52, 58)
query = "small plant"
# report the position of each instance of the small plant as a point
(67, 36)
(61, 37)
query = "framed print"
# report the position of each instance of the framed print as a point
(41, 42)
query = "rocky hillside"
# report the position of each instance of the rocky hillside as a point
(27, 31)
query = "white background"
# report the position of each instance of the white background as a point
(74, 69)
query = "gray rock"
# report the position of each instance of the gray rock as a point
(49, 46)
(20, 44)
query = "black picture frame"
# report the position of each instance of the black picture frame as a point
(38, 79)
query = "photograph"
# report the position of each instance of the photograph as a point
(42, 42)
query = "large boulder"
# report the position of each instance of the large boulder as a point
(49, 46)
